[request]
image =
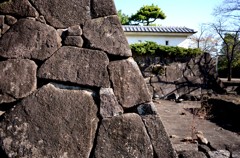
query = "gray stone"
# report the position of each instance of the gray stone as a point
(107, 34)
(123, 136)
(17, 79)
(51, 122)
(74, 30)
(76, 65)
(29, 39)
(219, 154)
(191, 154)
(20, 8)
(147, 109)
(159, 138)
(128, 83)
(10, 20)
(62, 13)
(76, 41)
(109, 106)
(102, 8)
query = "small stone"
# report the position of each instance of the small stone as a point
(41, 19)
(76, 41)
(201, 137)
(62, 33)
(74, 31)
(10, 20)
(147, 109)
(219, 154)
(109, 106)
(5, 28)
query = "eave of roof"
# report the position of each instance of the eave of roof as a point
(157, 29)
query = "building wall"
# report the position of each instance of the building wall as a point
(180, 41)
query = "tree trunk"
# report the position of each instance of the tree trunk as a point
(229, 70)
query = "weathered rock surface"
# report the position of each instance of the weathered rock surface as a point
(107, 34)
(219, 154)
(159, 138)
(192, 154)
(18, 79)
(74, 31)
(62, 14)
(109, 106)
(51, 122)
(76, 41)
(29, 39)
(122, 73)
(18, 7)
(77, 65)
(123, 136)
(10, 20)
(102, 8)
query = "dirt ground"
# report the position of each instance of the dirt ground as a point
(180, 123)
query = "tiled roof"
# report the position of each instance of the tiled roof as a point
(156, 29)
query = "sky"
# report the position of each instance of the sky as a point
(188, 13)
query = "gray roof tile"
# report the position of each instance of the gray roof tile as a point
(157, 29)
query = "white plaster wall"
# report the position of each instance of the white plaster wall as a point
(180, 41)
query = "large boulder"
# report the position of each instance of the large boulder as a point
(159, 138)
(122, 73)
(20, 8)
(106, 33)
(102, 8)
(77, 65)
(123, 136)
(18, 79)
(29, 39)
(62, 14)
(51, 122)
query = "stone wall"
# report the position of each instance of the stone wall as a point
(68, 84)
(186, 78)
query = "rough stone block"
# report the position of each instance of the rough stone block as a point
(62, 13)
(17, 79)
(29, 39)
(192, 154)
(20, 8)
(74, 30)
(109, 106)
(107, 34)
(159, 138)
(51, 122)
(101, 8)
(122, 73)
(10, 20)
(76, 41)
(76, 65)
(123, 136)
